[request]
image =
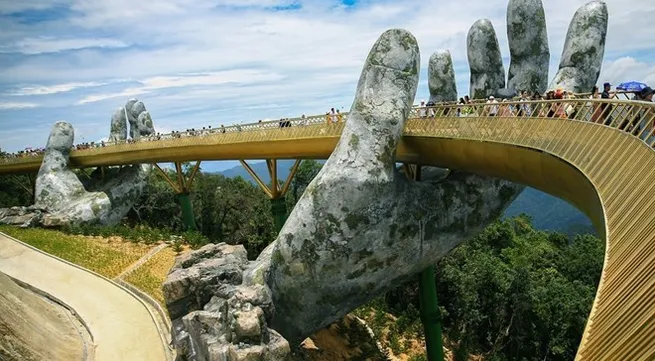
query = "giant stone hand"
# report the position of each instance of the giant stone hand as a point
(361, 227)
(105, 201)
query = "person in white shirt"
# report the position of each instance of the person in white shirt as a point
(422, 110)
(493, 110)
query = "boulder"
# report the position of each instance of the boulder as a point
(216, 316)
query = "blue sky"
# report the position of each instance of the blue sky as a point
(210, 62)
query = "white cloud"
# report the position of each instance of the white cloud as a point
(628, 69)
(186, 58)
(239, 76)
(10, 6)
(52, 89)
(42, 45)
(17, 105)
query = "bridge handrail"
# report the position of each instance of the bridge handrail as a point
(616, 113)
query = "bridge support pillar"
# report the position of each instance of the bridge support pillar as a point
(275, 191)
(188, 219)
(182, 188)
(279, 211)
(430, 315)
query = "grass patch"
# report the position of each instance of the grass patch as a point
(106, 256)
(150, 276)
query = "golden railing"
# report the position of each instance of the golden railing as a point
(620, 113)
(596, 154)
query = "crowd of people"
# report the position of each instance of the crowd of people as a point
(638, 121)
(522, 106)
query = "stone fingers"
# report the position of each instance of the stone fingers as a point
(441, 77)
(141, 124)
(383, 101)
(55, 183)
(485, 60)
(528, 46)
(118, 130)
(584, 48)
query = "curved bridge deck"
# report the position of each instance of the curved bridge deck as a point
(604, 170)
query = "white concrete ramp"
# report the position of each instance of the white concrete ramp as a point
(121, 325)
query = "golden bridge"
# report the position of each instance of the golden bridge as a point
(603, 162)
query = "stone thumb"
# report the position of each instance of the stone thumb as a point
(382, 104)
(59, 146)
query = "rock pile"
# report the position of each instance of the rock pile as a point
(216, 315)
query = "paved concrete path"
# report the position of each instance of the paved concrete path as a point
(121, 326)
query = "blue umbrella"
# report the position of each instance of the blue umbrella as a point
(631, 86)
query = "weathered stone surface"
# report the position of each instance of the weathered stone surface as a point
(584, 49)
(215, 315)
(251, 353)
(485, 60)
(118, 130)
(528, 46)
(22, 216)
(67, 200)
(441, 77)
(140, 121)
(278, 347)
(247, 324)
(197, 277)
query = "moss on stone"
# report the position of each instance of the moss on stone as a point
(393, 229)
(277, 257)
(353, 220)
(96, 208)
(363, 254)
(357, 273)
(354, 141)
(374, 264)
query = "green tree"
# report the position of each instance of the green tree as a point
(234, 211)
(13, 191)
(514, 293)
(307, 170)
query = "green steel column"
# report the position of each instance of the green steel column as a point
(279, 211)
(429, 306)
(430, 315)
(187, 211)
